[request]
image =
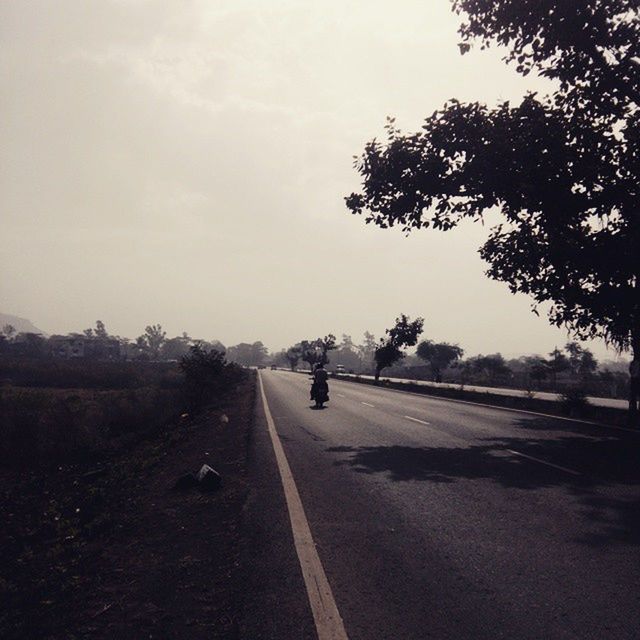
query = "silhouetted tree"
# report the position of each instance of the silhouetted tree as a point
(316, 351)
(30, 344)
(141, 348)
(491, 367)
(100, 331)
(346, 354)
(347, 343)
(439, 356)
(367, 349)
(557, 363)
(328, 343)
(581, 361)
(9, 331)
(248, 355)
(293, 356)
(279, 359)
(260, 352)
(176, 348)
(564, 170)
(309, 352)
(152, 340)
(216, 345)
(537, 368)
(403, 334)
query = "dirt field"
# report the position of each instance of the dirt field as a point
(108, 549)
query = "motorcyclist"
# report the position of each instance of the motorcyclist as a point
(320, 386)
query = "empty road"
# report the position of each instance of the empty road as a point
(437, 519)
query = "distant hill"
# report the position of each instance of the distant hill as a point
(21, 325)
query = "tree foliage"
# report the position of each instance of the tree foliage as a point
(404, 333)
(9, 331)
(537, 368)
(316, 351)
(491, 367)
(581, 361)
(152, 340)
(100, 330)
(564, 170)
(439, 356)
(367, 349)
(558, 362)
(292, 356)
(249, 355)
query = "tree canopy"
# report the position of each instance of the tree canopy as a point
(316, 351)
(563, 169)
(404, 333)
(439, 355)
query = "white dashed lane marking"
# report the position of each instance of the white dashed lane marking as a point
(416, 420)
(548, 464)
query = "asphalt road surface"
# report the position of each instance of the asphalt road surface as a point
(438, 519)
(502, 391)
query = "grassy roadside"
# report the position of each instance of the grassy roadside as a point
(579, 411)
(108, 549)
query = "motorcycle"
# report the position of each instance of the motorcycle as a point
(320, 393)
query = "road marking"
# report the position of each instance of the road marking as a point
(416, 420)
(549, 464)
(340, 395)
(428, 396)
(326, 616)
(368, 405)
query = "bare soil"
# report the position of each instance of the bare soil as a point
(109, 549)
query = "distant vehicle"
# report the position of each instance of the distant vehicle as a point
(273, 367)
(340, 368)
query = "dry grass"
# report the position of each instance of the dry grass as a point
(51, 425)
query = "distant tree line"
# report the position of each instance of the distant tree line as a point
(570, 367)
(98, 344)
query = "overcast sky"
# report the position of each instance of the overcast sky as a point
(185, 163)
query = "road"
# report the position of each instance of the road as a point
(613, 403)
(437, 519)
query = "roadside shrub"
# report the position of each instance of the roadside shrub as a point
(574, 401)
(207, 374)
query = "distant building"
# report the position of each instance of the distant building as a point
(80, 346)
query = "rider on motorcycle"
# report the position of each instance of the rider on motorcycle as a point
(320, 387)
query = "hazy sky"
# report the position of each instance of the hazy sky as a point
(185, 163)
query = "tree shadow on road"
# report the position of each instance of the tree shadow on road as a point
(575, 426)
(601, 463)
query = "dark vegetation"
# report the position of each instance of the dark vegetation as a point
(207, 374)
(89, 450)
(53, 410)
(404, 333)
(563, 170)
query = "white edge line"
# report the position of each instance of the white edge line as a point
(367, 404)
(549, 464)
(340, 395)
(416, 420)
(326, 616)
(429, 396)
